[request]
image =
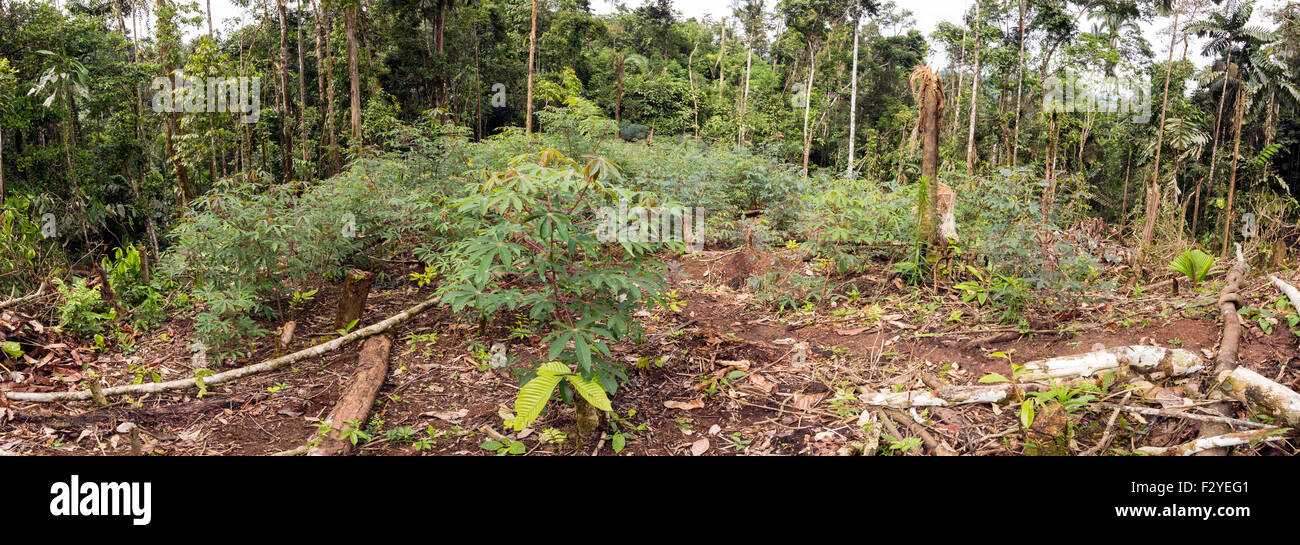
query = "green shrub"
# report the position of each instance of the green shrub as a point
(83, 313)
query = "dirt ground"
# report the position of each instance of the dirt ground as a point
(717, 376)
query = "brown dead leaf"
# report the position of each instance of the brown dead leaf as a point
(808, 401)
(762, 383)
(697, 403)
(449, 416)
(851, 332)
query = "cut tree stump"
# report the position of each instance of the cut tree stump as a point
(358, 397)
(352, 302)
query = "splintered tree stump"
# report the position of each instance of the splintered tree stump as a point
(357, 398)
(352, 302)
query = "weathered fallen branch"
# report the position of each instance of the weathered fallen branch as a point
(20, 300)
(1154, 362)
(354, 405)
(1291, 292)
(1150, 411)
(1262, 395)
(233, 374)
(942, 397)
(1229, 301)
(1216, 442)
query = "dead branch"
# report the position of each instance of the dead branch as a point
(1291, 292)
(269, 365)
(20, 300)
(1217, 442)
(1262, 395)
(1154, 362)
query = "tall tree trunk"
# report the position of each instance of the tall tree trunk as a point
(1232, 178)
(2, 166)
(931, 114)
(286, 137)
(974, 96)
(1020, 85)
(961, 76)
(690, 75)
(532, 54)
(853, 101)
(618, 94)
(807, 108)
(1214, 149)
(478, 79)
(212, 128)
(1153, 188)
(302, 89)
(354, 73)
(182, 173)
(744, 100)
(323, 27)
(722, 60)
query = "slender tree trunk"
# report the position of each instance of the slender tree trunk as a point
(1020, 85)
(1214, 149)
(1153, 188)
(532, 54)
(1128, 166)
(690, 74)
(212, 128)
(974, 96)
(807, 108)
(618, 94)
(478, 78)
(1232, 178)
(744, 100)
(182, 173)
(961, 76)
(2, 167)
(354, 73)
(722, 60)
(853, 102)
(302, 89)
(286, 137)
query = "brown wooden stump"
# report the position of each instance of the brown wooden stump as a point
(352, 302)
(358, 397)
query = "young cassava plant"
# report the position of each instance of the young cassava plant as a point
(530, 245)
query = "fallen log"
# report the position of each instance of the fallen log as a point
(1154, 362)
(233, 374)
(1291, 292)
(946, 396)
(1216, 442)
(1262, 395)
(354, 405)
(1229, 301)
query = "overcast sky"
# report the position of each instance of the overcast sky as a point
(927, 14)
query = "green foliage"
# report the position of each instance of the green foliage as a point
(530, 244)
(1194, 264)
(83, 313)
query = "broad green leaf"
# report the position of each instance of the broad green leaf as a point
(591, 391)
(534, 395)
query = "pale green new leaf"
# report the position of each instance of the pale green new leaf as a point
(534, 395)
(591, 391)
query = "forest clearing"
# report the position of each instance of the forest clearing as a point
(549, 228)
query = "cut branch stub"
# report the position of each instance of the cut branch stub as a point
(352, 302)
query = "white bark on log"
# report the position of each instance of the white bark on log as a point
(233, 374)
(943, 397)
(1262, 395)
(1218, 441)
(1291, 292)
(1154, 362)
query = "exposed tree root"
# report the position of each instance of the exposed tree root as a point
(269, 365)
(1226, 361)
